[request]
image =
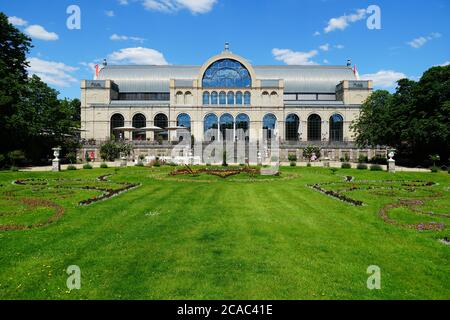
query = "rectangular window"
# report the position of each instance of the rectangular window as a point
(290, 97)
(307, 97)
(327, 97)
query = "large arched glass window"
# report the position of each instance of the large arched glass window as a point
(214, 97)
(206, 98)
(162, 122)
(139, 121)
(292, 127)
(222, 98)
(242, 126)
(269, 124)
(336, 128)
(247, 98)
(314, 128)
(210, 125)
(230, 98)
(226, 73)
(117, 121)
(239, 98)
(184, 120)
(227, 126)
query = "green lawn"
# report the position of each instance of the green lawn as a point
(204, 237)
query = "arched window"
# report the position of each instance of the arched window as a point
(188, 98)
(214, 97)
(222, 98)
(292, 127)
(117, 121)
(336, 128)
(227, 126)
(162, 122)
(230, 98)
(247, 98)
(184, 120)
(226, 73)
(242, 126)
(210, 125)
(314, 128)
(179, 97)
(139, 121)
(239, 98)
(269, 124)
(206, 98)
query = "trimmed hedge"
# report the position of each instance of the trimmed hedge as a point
(376, 167)
(362, 166)
(346, 165)
(87, 167)
(71, 168)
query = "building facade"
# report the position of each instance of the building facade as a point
(300, 105)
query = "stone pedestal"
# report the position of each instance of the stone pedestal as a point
(56, 165)
(391, 165)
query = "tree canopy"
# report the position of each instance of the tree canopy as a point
(32, 118)
(414, 120)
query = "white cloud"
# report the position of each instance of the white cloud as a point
(325, 47)
(123, 2)
(294, 57)
(16, 21)
(116, 37)
(316, 34)
(110, 13)
(339, 46)
(342, 22)
(384, 78)
(446, 63)
(138, 55)
(421, 41)
(326, 61)
(38, 32)
(54, 73)
(194, 6)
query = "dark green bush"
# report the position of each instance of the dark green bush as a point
(435, 169)
(87, 167)
(346, 165)
(71, 168)
(362, 166)
(376, 167)
(14, 168)
(293, 164)
(308, 165)
(104, 166)
(363, 159)
(292, 158)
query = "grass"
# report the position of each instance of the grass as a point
(205, 237)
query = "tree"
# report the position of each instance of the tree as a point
(14, 47)
(414, 120)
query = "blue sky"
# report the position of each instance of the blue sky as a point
(414, 35)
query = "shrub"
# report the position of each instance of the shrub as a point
(139, 164)
(363, 159)
(378, 159)
(87, 166)
(362, 166)
(434, 169)
(16, 156)
(376, 167)
(71, 157)
(308, 165)
(111, 150)
(71, 168)
(293, 164)
(292, 158)
(14, 168)
(104, 166)
(346, 165)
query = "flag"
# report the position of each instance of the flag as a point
(355, 71)
(97, 71)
